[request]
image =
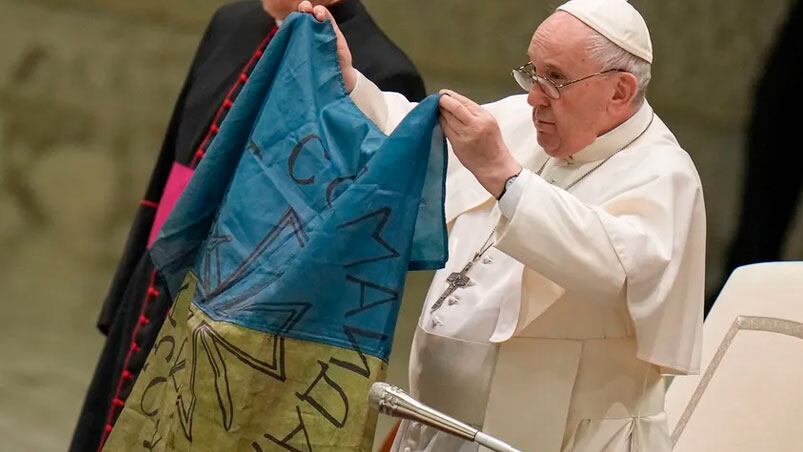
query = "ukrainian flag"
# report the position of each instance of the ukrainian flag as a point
(286, 257)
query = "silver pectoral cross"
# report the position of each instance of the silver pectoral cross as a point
(456, 280)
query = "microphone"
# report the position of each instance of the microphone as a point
(392, 401)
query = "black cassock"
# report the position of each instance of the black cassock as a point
(773, 183)
(136, 305)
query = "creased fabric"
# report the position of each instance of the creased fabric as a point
(286, 255)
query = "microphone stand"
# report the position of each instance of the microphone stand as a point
(393, 401)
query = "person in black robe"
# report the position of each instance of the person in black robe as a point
(136, 305)
(773, 174)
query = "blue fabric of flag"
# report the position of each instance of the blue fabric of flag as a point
(303, 217)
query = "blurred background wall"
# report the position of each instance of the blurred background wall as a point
(86, 87)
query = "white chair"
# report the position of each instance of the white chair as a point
(749, 395)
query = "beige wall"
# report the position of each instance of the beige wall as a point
(85, 91)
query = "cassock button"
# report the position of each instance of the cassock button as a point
(487, 260)
(452, 301)
(436, 321)
(408, 449)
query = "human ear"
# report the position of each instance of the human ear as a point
(625, 89)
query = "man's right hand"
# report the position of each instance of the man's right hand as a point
(343, 53)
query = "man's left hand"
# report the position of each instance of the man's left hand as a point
(477, 141)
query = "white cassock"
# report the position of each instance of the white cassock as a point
(592, 291)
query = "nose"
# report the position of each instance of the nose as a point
(536, 97)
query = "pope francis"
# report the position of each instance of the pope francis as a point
(576, 243)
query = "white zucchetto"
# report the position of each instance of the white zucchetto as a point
(617, 20)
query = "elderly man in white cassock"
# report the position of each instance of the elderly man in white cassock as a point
(576, 248)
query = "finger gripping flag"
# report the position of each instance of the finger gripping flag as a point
(286, 259)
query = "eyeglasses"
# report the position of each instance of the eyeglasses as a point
(525, 76)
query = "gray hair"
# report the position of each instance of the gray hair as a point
(610, 56)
